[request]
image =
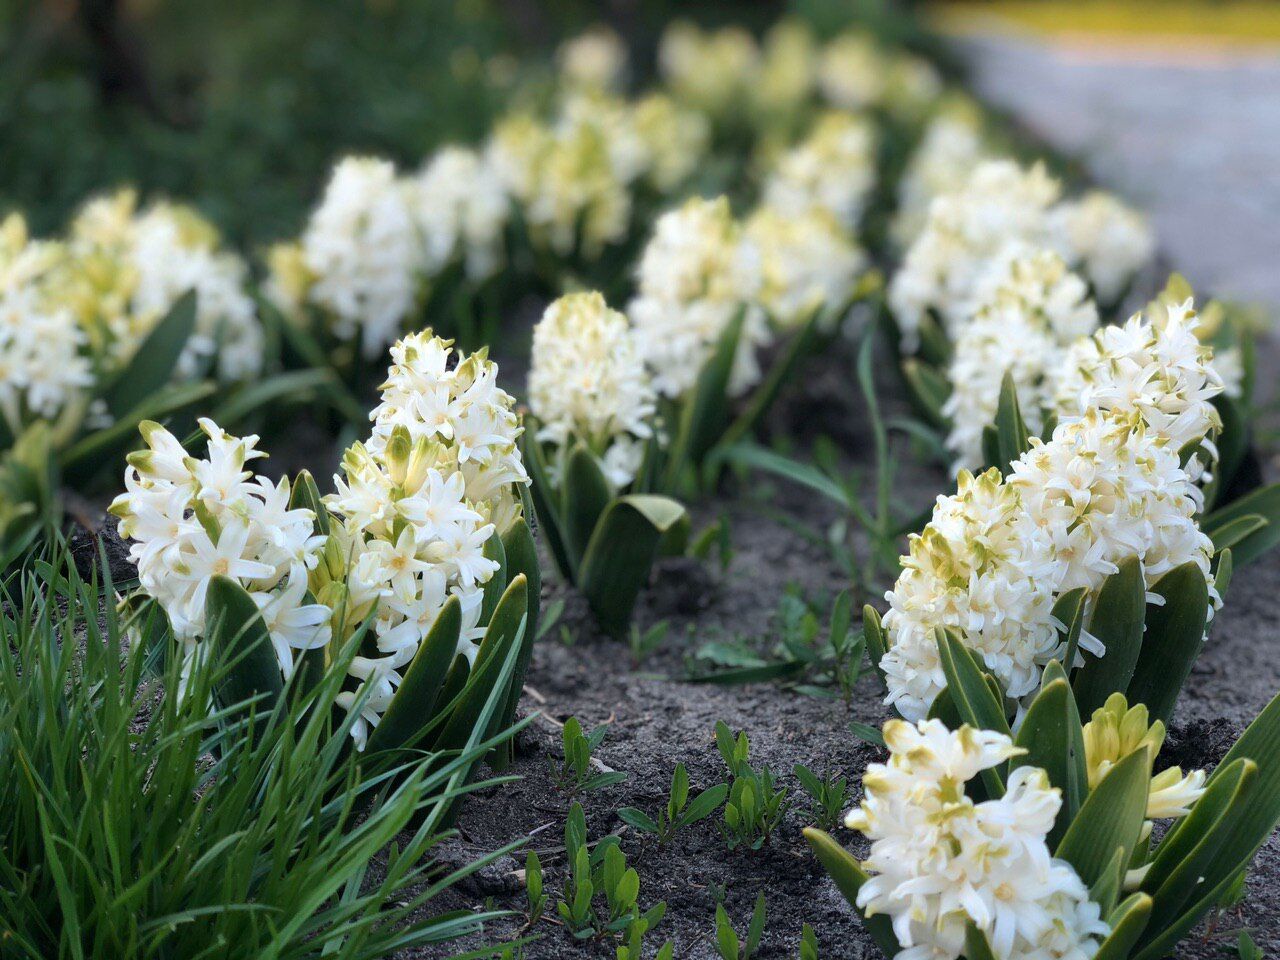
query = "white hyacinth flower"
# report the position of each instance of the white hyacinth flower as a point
(588, 381)
(833, 169)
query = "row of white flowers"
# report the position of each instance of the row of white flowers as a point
(73, 310)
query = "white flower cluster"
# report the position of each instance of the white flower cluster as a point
(1000, 203)
(833, 169)
(595, 59)
(361, 253)
(997, 554)
(807, 262)
(696, 273)
(710, 71)
(1035, 309)
(461, 208)
(939, 861)
(951, 146)
(1151, 369)
(856, 73)
(980, 569)
(574, 178)
(1000, 208)
(190, 519)
(415, 506)
(1108, 241)
(43, 362)
(76, 308)
(588, 382)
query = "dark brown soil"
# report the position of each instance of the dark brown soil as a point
(656, 720)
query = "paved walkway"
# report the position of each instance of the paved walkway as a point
(1192, 136)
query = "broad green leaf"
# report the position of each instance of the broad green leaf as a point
(928, 390)
(1117, 621)
(1232, 440)
(505, 631)
(620, 555)
(1069, 611)
(1174, 635)
(849, 878)
(306, 495)
(874, 633)
(968, 689)
(545, 500)
(417, 699)
(1106, 891)
(1110, 819)
(976, 946)
(704, 804)
(522, 560)
(1248, 829)
(152, 364)
(1052, 736)
(251, 397)
(585, 494)
(1186, 852)
(638, 819)
(934, 345)
(102, 447)
(1234, 531)
(764, 395)
(1127, 921)
(239, 636)
(494, 587)
(704, 412)
(1263, 502)
(1012, 436)
(1223, 566)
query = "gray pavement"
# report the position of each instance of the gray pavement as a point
(1191, 135)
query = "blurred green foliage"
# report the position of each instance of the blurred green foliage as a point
(241, 106)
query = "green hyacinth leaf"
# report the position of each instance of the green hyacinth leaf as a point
(545, 500)
(621, 554)
(1118, 622)
(585, 493)
(934, 345)
(1187, 851)
(1128, 920)
(1110, 819)
(928, 390)
(416, 701)
(1263, 502)
(1248, 830)
(764, 395)
(305, 495)
(1052, 736)
(1106, 891)
(976, 946)
(704, 412)
(152, 364)
(1173, 638)
(978, 705)
(496, 584)
(873, 631)
(500, 641)
(522, 560)
(1069, 611)
(238, 634)
(1012, 436)
(849, 878)
(1236, 531)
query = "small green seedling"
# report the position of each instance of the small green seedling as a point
(680, 812)
(727, 943)
(755, 805)
(596, 872)
(1247, 949)
(644, 642)
(830, 796)
(534, 889)
(633, 947)
(808, 943)
(574, 776)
